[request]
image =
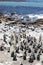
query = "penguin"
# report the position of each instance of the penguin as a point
(10, 43)
(24, 57)
(14, 57)
(38, 46)
(35, 50)
(25, 52)
(17, 50)
(12, 54)
(1, 48)
(42, 62)
(33, 56)
(21, 48)
(39, 51)
(38, 57)
(31, 42)
(31, 60)
(34, 46)
(42, 50)
(29, 50)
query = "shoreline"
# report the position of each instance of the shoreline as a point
(34, 19)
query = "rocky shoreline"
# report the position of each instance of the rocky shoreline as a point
(24, 19)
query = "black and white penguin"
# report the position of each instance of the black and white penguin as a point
(31, 60)
(12, 54)
(29, 50)
(38, 57)
(17, 49)
(15, 57)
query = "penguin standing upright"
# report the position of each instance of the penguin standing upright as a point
(12, 54)
(17, 50)
(24, 57)
(15, 57)
(38, 57)
(21, 47)
(29, 50)
(31, 59)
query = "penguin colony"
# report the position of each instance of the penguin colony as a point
(28, 46)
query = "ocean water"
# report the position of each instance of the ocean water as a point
(34, 0)
(14, 0)
(22, 7)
